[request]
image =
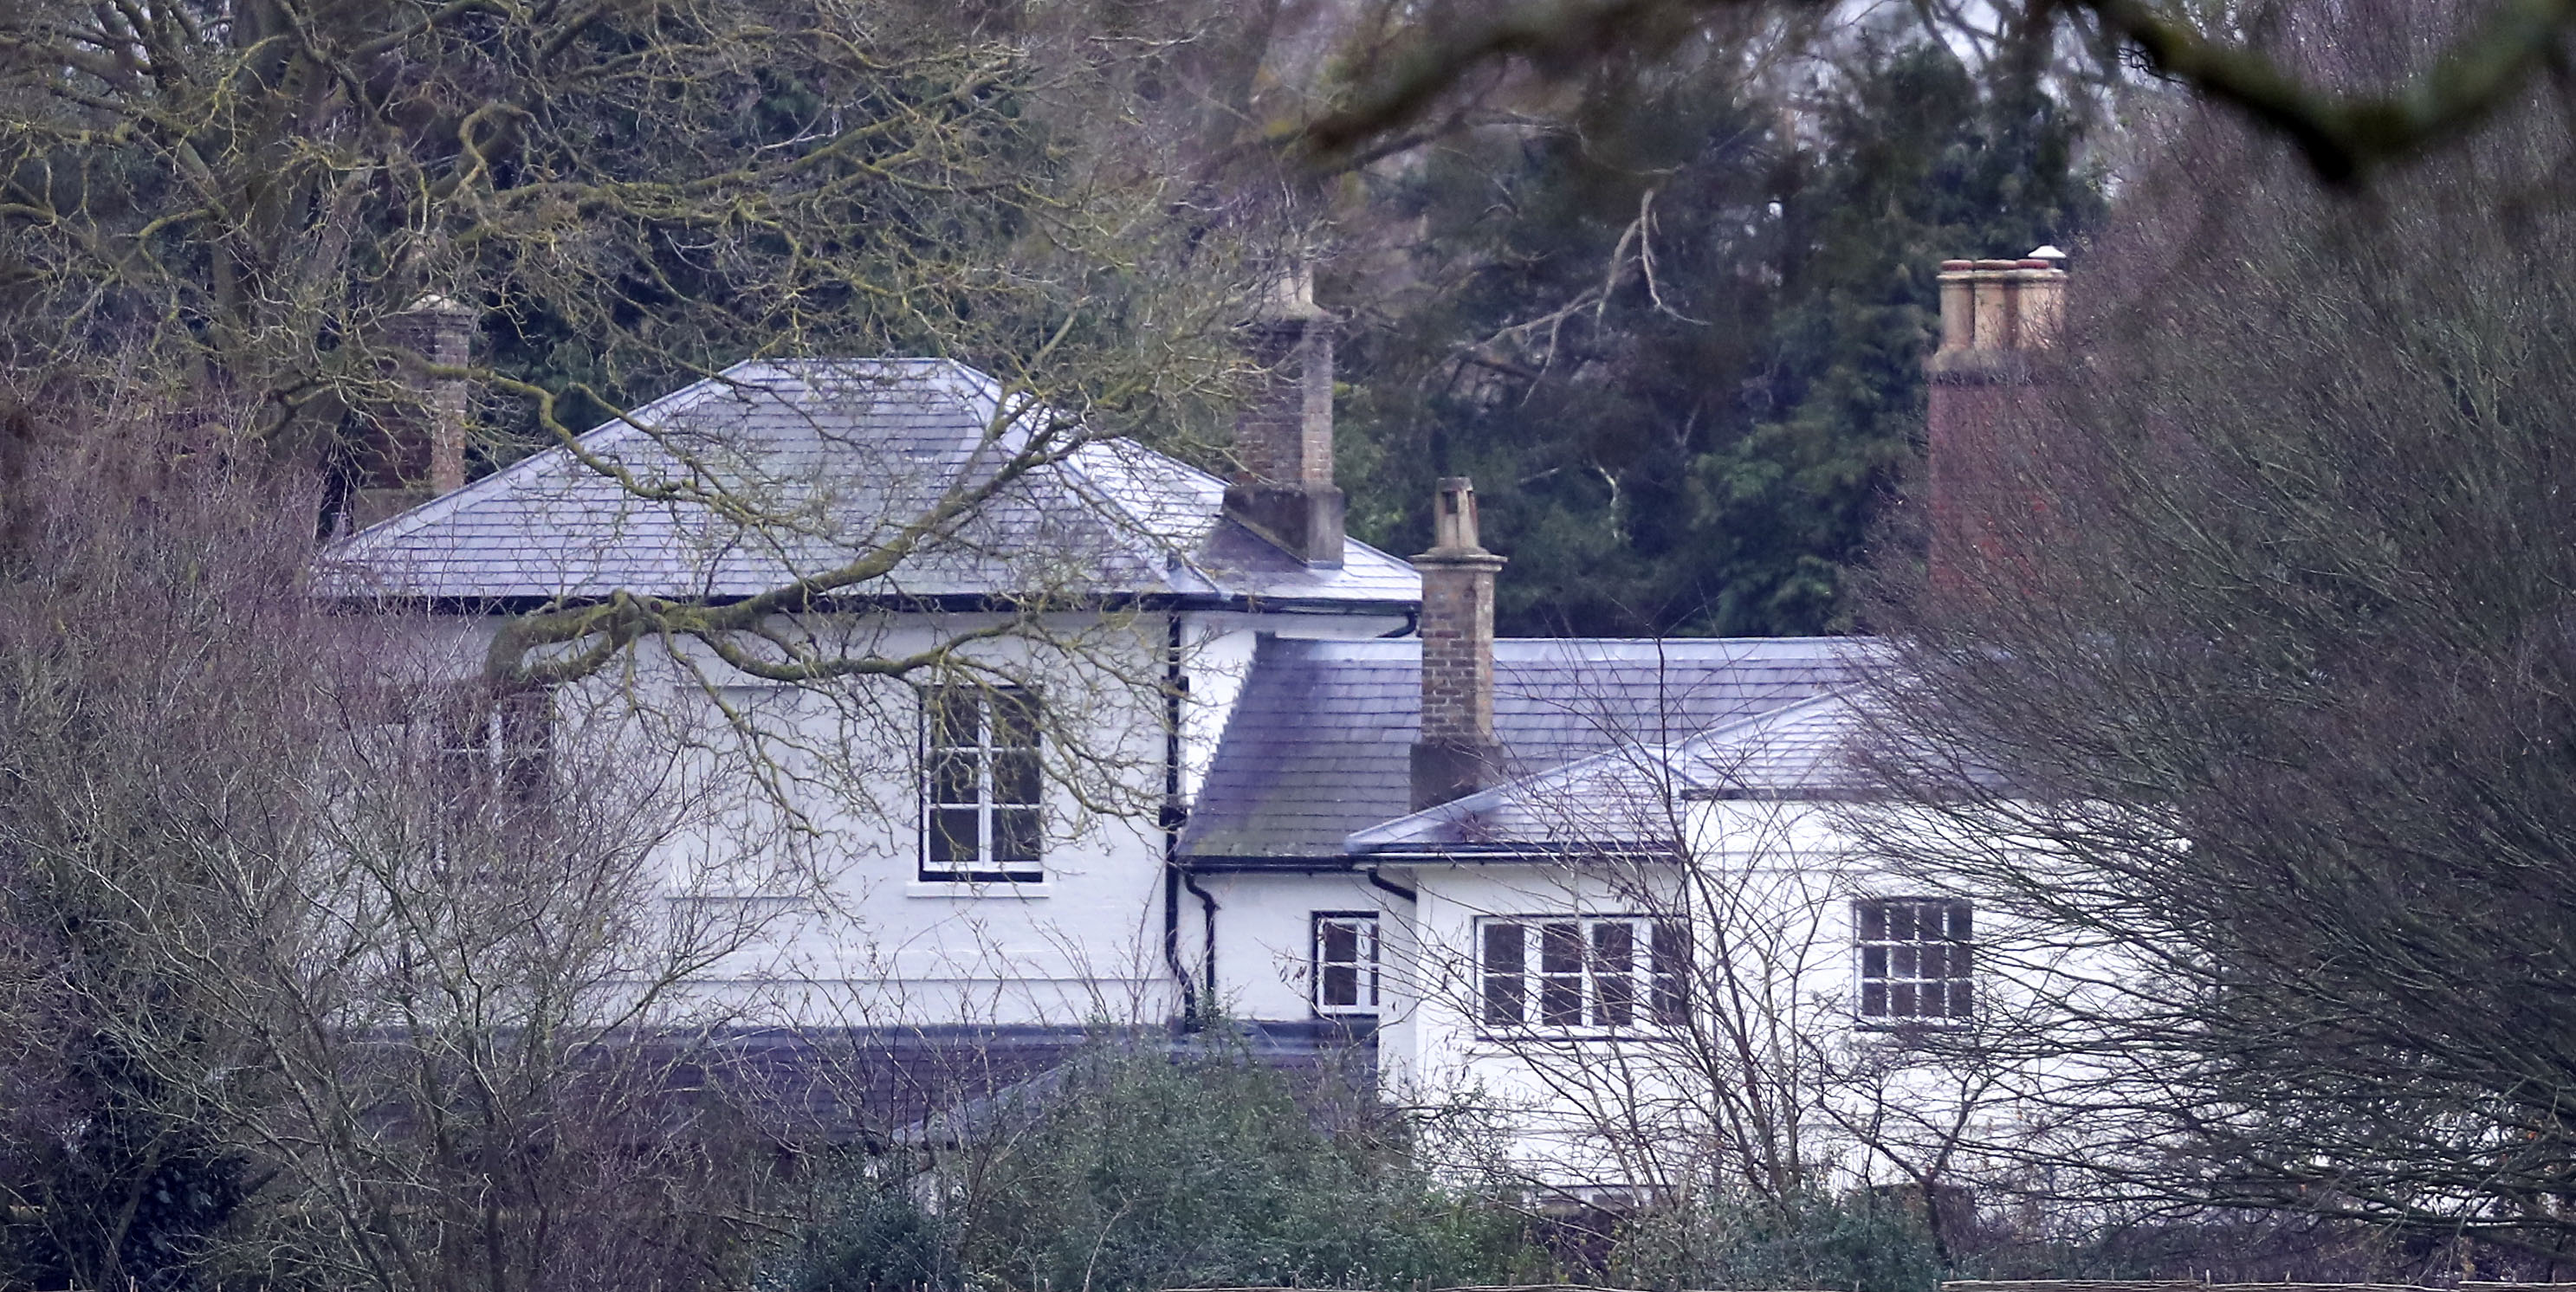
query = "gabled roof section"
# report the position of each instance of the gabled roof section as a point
(819, 462)
(1319, 745)
(1630, 798)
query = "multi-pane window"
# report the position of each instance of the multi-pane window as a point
(1583, 973)
(980, 811)
(496, 750)
(1346, 967)
(1915, 960)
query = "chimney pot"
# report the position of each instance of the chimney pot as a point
(1453, 516)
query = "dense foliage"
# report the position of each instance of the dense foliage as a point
(1136, 1169)
(1679, 347)
(1139, 1170)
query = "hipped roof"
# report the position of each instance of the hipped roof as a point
(1319, 745)
(834, 457)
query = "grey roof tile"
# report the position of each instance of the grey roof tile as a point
(1319, 745)
(773, 471)
(1623, 796)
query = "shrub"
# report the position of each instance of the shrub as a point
(1858, 1241)
(1131, 1169)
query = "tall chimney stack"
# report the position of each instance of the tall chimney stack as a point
(1283, 440)
(1994, 315)
(1457, 753)
(418, 451)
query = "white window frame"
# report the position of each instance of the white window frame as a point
(1651, 994)
(1366, 972)
(939, 808)
(496, 750)
(1892, 975)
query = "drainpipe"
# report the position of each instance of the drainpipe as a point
(1175, 689)
(1207, 909)
(1383, 884)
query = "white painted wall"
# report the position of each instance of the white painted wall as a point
(1264, 962)
(1769, 890)
(802, 822)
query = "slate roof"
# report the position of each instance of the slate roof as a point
(1319, 746)
(1620, 797)
(831, 457)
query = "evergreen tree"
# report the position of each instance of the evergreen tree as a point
(1679, 346)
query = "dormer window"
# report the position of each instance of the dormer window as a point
(982, 792)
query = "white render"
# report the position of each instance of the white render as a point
(805, 800)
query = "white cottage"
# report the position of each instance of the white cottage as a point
(1182, 750)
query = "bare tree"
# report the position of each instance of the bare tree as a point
(343, 975)
(2256, 700)
(1440, 55)
(261, 204)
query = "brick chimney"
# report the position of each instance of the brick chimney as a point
(417, 451)
(1283, 440)
(1457, 753)
(1994, 315)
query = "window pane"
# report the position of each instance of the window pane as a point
(1505, 990)
(1900, 999)
(1016, 836)
(1873, 962)
(1614, 973)
(527, 741)
(1962, 998)
(1902, 964)
(1015, 719)
(1959, 963)
(1614, 947)
(1935, 964)
(1900, 921)
(1341, 942)
(1341, 984)
(1560, 963)
(1560, 948)
(1560, 1000)
(1672, 974)
(1873, 999)
(952, 838)
(952, 777)
(1016, 778)
(954, 716)
(1961, 928)
(1873, 922)
(1614, 998)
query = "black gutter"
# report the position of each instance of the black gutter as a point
(1274, 865)
(957, 603)
(1460, 854)
(1502, 855)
